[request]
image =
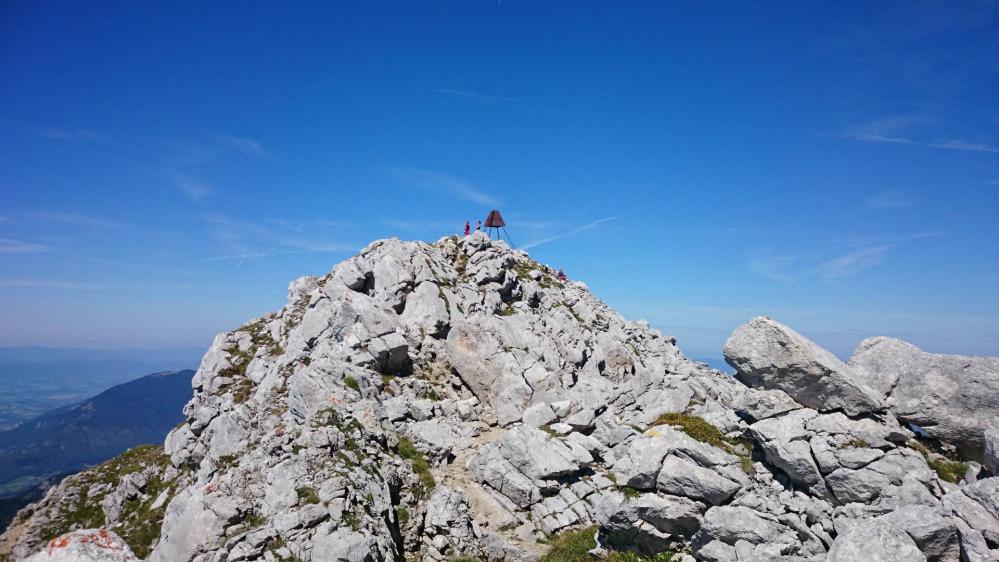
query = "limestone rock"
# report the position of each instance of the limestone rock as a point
(933, 531)
(990, 448)
(733, 524)
(951, 397)
(768, 354)
(680, 477)
(85, 545)
(874, 543)
(648, 522)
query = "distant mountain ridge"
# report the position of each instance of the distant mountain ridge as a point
(70, 438)
(39, 379)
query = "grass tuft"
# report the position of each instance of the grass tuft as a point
(695, 427)
(352, 383)
(420, 466)
(629, 492)
(948, 470)
(575, 546)
(307, 494)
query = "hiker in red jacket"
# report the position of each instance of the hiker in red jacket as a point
(468, 229)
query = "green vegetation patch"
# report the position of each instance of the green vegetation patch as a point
(948, 470)
(352, 520)
(575, 546)
(420, 466)
(143, 523)
(695, 427)
(261, 337)
(225, 461)
(307, 494)
(630, 492)
(139, 524)
(700, 429)
(523, 270)
(242, 390)
(461, 263)
(239, 361)
(573, 313)
(352, 383)
(402, 514)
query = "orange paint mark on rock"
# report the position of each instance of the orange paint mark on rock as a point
(61, 542)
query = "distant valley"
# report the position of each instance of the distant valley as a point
(69, 438)
(37, 379)
(63, 409)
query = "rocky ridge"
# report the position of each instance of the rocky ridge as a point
(434, 401)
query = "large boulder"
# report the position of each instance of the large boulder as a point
(933, 531)
(871, 542)
(649, 522)
(990, 448)
(523, 463)
(951, 397)
(681, 477)
(85, 545)
(768, 354)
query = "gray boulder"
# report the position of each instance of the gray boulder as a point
(768, 354)
(985, 492)
(537, 454)
(731, 524)
(952, 397)
(990, 449)
(785, 445)
(976, 515)
(649, 522)
(869, 542)
(931, 528)
(680, 477)
(85, 545)
(639, 462)
(857, 485)
(343, 545)
(522, 461)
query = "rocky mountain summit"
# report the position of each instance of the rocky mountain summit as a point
(456, 401)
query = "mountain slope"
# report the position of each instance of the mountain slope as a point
(72, 437)
(33, 388)
(434, 401)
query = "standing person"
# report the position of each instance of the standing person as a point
(467, 229)
(478, 226)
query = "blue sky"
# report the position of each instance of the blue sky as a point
(167, 168)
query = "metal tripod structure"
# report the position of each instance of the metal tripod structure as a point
(494, 224)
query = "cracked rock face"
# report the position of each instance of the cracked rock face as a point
(435, 401)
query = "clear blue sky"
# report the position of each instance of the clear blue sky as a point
(167, 168)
